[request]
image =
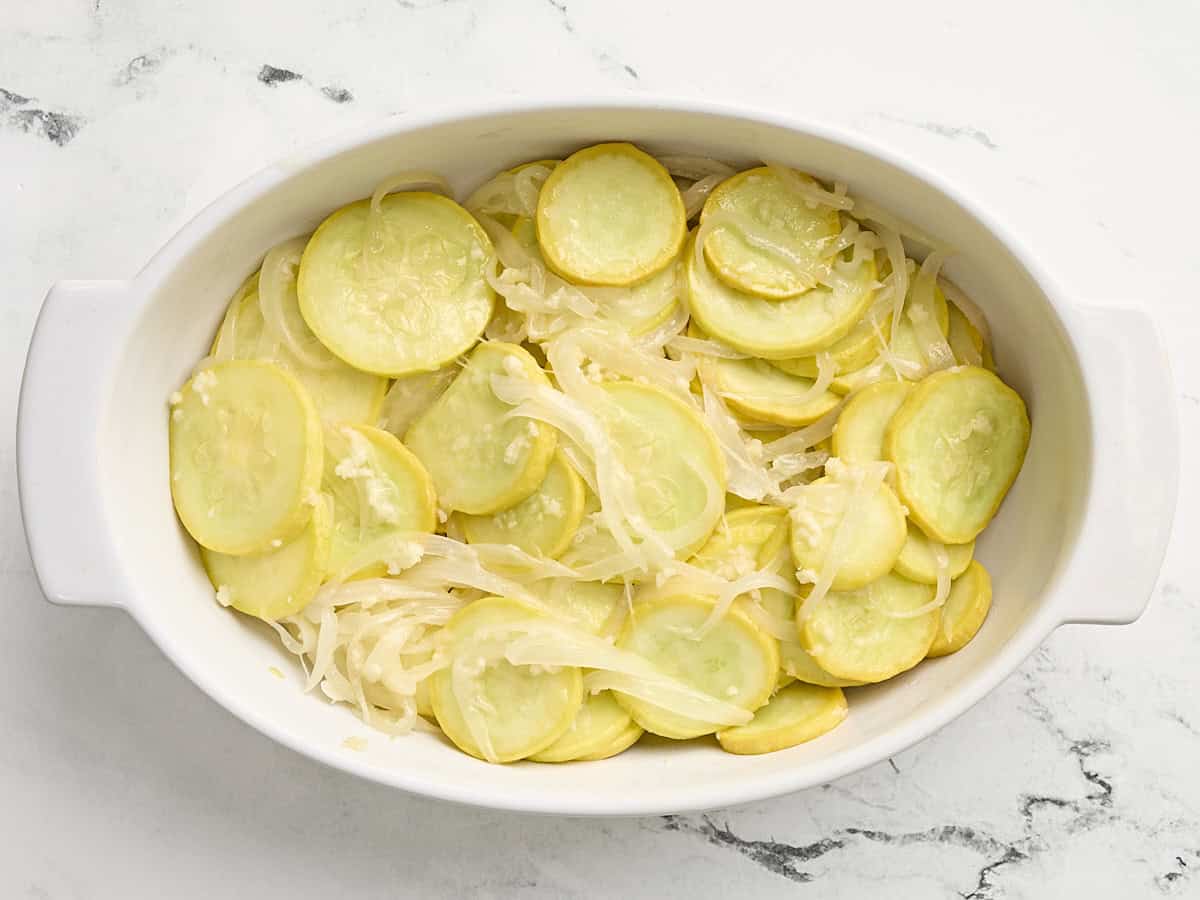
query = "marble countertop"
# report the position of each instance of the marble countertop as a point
(1075, 122)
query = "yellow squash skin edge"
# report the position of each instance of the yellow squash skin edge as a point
(565, 180)
(524, 229)
(965, 611)
(758, 391)
(293, 582)
(340, 393)
(795, 663)
(872, 550)
(782, 332)
(329, 280)
(903, 343)
(634, 400)
(418, 511)
(855, 349)
(620, 744)
(433, 435)
(796, 714)
(758, 685)
(250, 284)
(721, 250)
(567, 681)
(288, 522)
(568, 493)
(912, 484)
(916, 561)
(858, 434)
(752, 526)
(854, 634)
(600, 724)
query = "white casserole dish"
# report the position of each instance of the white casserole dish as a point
(1079, 539)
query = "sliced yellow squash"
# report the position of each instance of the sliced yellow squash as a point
(858, 434)
(733, 550)
(770, 240)
(778, 329)
(734, 662)
(424, 700)
(481, 460)
(905, 345)
(734, 502)
(871, 546)
(794, 661)
(750, 538)
(518, 710)
(278, 582)
(796, 714)
(872, 633)
(594, 606)
(674, 460)
(378, 487)
(964, 339)
(857, 348)
(958, 443)
(610, 215)
(600, 723)
(799, 664)
(401, 290)
(378, 693)
(917, 561)
(638, 308)
(619, 744)
(245, 456)
(409, 396)
(339, 392)
(249, 286)
(543, 523)
(755, 389)
(965, 610)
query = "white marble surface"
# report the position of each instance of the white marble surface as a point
(1076, 122)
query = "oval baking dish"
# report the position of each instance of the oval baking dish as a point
(1078, 539)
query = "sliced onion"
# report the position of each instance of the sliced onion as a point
(509, 193)
(693, 196)
(967, 307)
(869, 211)
(747, 473)
(866, 479)
(812, 193)
(898, 284)
(373, 230)
(704, 347)
(934, 349)
(695, 167)
(942, 560)
(826, 371)
(780, 629)
(467, 687)
(410, 395)
(327, 640)
(745, 227)
(673, 697)
(803, 439)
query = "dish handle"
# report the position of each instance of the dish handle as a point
(64, 397)
(1135, 466)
